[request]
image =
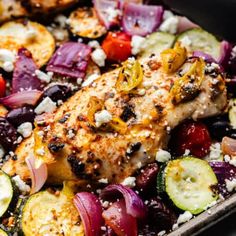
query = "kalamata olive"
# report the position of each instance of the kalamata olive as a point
(146, 180)
(160, 217)
(219, 129)
(57, 92)
(20, 115)
(8, 135)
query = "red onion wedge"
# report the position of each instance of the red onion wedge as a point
(225, 54)
(205, 56)
(185, 24)
(228, 146)
(20, 99)
(141, 19)
(134, 204)
(108, 12)
(24, 77)
(119, 220)
(70, 59)
(38, 175)
(90, 210)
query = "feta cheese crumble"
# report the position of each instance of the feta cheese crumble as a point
(25, 129)
(99, 57)
(103, 181)
(170, 25)
(7, 59)
(90, 80)
(44, 77)
(228, 159)
(2, 153)
(185, 217)
(162, 156)
(215, 151)
(46, 106)
(112, 14)
(230, 185)
(137, 44)
(24, 188)
(94, 44)
(102, 117)
(129, 182)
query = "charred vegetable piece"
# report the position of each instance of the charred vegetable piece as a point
(190, 184)
(156, 43)
(173, 58)
(188, 86)
(70, 59)
(6, 192)
(85, 23)
(31, 35)
(49, 213)
(130, 76)
(201, 40)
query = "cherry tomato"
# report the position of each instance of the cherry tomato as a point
(119, 220)
(117, 46)
(2, 87)
(192, 136)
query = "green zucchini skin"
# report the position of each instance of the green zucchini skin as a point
(161, 180)
(201, 40)
(190, 184)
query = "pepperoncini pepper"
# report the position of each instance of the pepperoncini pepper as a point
(173, 58)
(130, 76)
(188, 86)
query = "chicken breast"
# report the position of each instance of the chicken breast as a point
(73, 149)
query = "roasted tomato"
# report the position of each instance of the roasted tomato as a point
(192, 136)
(117, 46)
(2, 87)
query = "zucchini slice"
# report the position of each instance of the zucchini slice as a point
(161, 180)
(46, 213)
(6, 192)
(156, 43)
(31, 35)
(85, 23)
(190, 184)
(200, 40)
(3, 233)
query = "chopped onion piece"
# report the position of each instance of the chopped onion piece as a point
(141, 19)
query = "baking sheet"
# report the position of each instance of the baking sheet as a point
(207, 219)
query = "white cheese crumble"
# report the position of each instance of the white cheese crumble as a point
(162, 156)
(102, 117)
(167, 14)
(21, 184)
(94, 44)
(90, 80)
(161, 233)
(25, 129)
(230, 185)
(170, 25)
(99, 57)
(46, 106)
(228, 159)
(186, 152)
(185, 217)
(137, 44)
(7, 59)
(61, 20)
(213, 66)
(185, 41)
(44, 77)
(112, 14)
(2, 153)
(103, 181)
(71, 134)
(129, 182)
(215, 151)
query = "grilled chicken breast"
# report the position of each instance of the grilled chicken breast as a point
(75, 150)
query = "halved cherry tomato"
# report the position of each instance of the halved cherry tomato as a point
(119, 220)
(117, 46)
(2, 87)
